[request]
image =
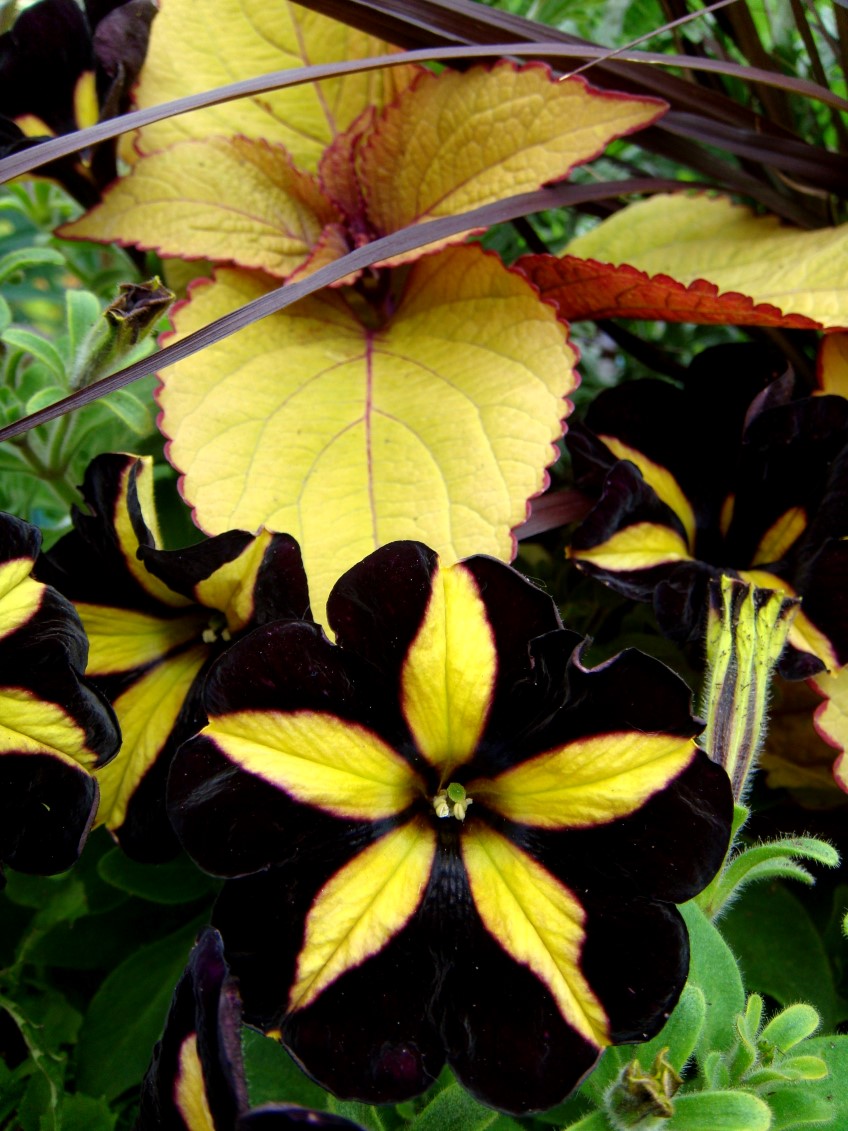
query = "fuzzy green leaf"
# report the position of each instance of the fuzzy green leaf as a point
(453, 1109)
(714, 971)
(40, 348)
(13, 262)
(780, 951)
(791, 1026)
(82, 309)
(719, 1111)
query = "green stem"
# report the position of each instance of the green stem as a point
(54, 480)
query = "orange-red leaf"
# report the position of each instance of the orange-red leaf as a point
(700, 259)
(584, 288)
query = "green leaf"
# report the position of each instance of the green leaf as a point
(38, 1109)
(780, 951)
(679, 1035)
(40, 348)
(713, 969)
(794, 1107)
(82, 309)
(84, 1113)
(272, 1075)
(453, 1109)
(13, 262)
(127, 1015)
(719, 1111)
(179, 881)
(791, 1026)
(777, 859)
(832, 1092)
(597, 1121)
(49, 394)
(370, 1118)
(129, 409)
(5, 315)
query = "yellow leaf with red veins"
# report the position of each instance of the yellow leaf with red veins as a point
(694, 238)
(231, 200)
(437, 425)
(456, 141)
(208, 43)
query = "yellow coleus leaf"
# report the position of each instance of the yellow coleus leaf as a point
(456, 141)
(199, 44)
(710, 238)
(345, 436)
(227, 199)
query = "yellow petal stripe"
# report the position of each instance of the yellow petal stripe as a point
(230, 588)
(12, 573)
(588, 782)
(803, 634)
(190, 1089)
(663, 482)
(123, 639)
(780, 536)
(537, 921)
(832, 366)
(449, 672)
(320, 760)
(32, 726)
(20, 596)
(127, 539)
(641, 545)
(147, 712)
(362, 907)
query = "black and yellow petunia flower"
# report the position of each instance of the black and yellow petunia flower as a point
(156, 619)
(467, 845)
(65, 66)
(196, 1079)
(734, 473)
(54, 729)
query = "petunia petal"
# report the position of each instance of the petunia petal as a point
(661, 479)
(592, 781)
(148, 710)
(449, 672)
(641, 545)
(537, 921)
(319, 760)
(362, 907)
(121, 640)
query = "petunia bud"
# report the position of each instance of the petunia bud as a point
(125, 322)
(747, 628)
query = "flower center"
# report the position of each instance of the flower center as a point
(452, 802)
(217, 629)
